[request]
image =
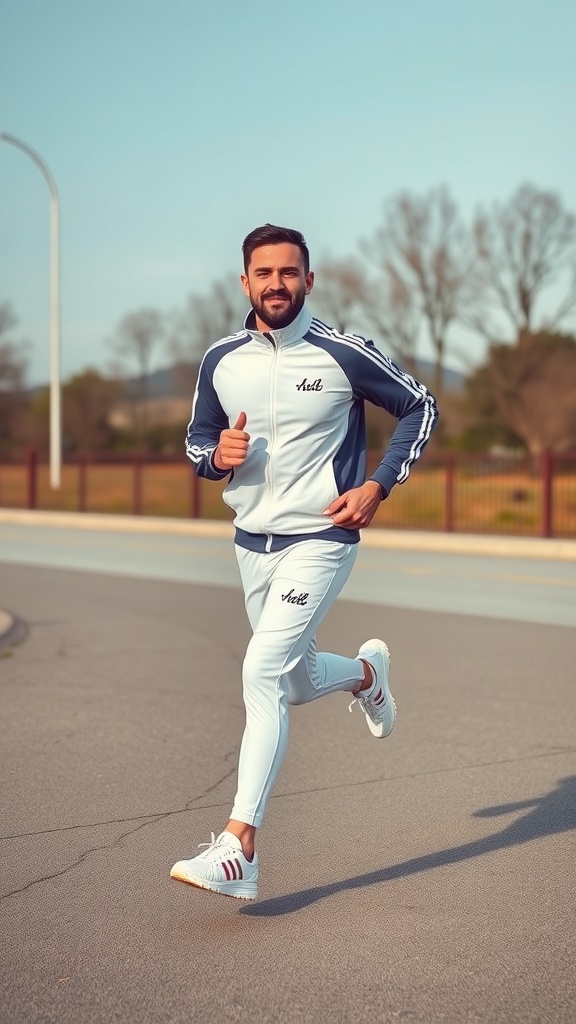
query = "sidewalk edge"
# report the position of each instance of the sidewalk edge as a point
(554, 549)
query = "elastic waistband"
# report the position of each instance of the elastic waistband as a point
(268, 542)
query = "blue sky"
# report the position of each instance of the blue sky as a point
(173, 127)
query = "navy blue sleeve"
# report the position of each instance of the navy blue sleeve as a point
(207, 423)
(377, 379)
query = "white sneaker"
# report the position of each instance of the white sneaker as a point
(221, 868)
(377, 703)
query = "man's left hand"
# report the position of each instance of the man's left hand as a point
(356, 508)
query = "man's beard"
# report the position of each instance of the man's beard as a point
(276, 319)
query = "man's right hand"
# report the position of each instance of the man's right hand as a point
(232, 447)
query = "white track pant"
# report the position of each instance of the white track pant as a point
(287, 595)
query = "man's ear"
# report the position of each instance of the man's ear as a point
(309, 282)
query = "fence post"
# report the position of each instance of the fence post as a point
(546, 526)
(194, 495)
(449, 480)
(137, 486)
(82, 466)
(32, 475)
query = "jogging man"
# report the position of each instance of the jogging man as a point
(279, 410)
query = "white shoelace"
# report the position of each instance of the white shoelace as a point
(217, 851)
(367, 703)
(208, 845)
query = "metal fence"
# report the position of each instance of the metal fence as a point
(498, 494)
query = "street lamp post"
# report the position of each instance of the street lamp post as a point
(55, 398)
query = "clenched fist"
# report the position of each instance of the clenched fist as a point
(232, 447)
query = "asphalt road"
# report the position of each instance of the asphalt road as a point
(427, 878)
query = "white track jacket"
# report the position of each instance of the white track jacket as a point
(303, 390)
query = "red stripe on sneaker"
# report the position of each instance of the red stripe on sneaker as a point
(239, 866)
(227, 871)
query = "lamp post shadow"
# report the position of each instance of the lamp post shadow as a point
(548, 815)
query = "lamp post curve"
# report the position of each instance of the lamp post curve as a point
(55, 388)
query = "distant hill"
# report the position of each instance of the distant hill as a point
(453, 381)
(176, 381)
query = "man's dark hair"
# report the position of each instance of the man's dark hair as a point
(271, 234)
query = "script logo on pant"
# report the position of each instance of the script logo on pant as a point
(293, 598)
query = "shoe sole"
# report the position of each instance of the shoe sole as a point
(385, 653)
(198, 884)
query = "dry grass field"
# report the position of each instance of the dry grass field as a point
(486, 497)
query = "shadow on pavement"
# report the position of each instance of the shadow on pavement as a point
(552, 813)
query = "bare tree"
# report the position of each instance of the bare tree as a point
(137, 335)
(350, 300)
(424, 250)
(340, 291)
(390, 308)
(7, 318)
(524, 246)
(207, 318)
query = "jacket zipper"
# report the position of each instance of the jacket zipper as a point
(272, 424)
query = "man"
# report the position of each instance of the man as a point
(279, 409)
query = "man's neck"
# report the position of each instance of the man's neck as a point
(261, 326)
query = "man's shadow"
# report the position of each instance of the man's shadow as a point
(549, 814)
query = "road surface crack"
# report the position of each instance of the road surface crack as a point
(143, 822)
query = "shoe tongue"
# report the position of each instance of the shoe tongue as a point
(229, 839)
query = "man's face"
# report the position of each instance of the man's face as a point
(276, 284)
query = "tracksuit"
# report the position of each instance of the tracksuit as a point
(303, 390)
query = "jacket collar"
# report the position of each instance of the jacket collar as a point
(285, 335)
